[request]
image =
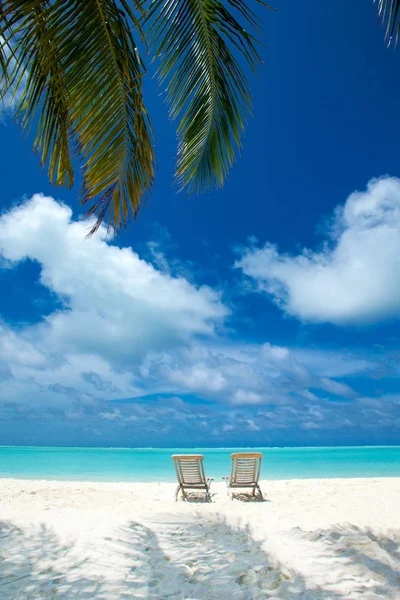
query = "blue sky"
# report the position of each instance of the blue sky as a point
(265, 313)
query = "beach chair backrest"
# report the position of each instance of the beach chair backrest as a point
(245, 467)
(189, 468)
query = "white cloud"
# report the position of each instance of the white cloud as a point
(337, 364)
(264, 374)
(18, 350)
(243, 397)
(115, 309)
(354, 277)
(116, 305)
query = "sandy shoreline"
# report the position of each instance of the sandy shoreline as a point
(323, 539)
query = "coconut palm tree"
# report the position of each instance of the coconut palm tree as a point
(75, 74)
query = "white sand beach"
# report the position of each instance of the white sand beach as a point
(322, 539)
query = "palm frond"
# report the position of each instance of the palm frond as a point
(389, 15)
(6, 54)
(44, 98)
(3, 62)
(84, 90)
(3, 54)
(202, 49)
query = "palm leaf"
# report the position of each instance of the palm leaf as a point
(3, 61)
(45, 96)
(6, 54)
(389, 14)
(3, 53)
(201, 47)
(84, 92)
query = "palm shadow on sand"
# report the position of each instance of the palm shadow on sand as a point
(34, 563)
(205, 558)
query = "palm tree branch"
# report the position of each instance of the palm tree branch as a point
(43, 91)
(112, 123)
(389, 14)
(88, 56)
(207, 89)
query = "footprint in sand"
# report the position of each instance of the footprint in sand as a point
(266, 578)
(248, 578)
(272, 581)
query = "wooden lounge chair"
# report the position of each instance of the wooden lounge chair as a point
(190, 473)
(245, 472)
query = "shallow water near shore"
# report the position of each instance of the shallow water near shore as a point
(154, 464)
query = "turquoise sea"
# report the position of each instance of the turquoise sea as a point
(155, 464)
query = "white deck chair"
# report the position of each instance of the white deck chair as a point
(245, 472)
(190, 474)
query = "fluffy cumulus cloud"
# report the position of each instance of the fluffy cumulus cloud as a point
(354, 277)
(135, 355)
(115, 304)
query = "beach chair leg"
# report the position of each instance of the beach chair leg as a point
(177, 492)
(260, 493)
(208, 495)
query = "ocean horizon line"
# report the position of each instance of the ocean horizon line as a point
(165, 448)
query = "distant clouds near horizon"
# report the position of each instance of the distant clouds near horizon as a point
(135, 352)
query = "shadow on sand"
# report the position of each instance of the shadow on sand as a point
(204, 559)
(247, 497)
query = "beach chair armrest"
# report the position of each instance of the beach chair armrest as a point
(209, 480)
(226, 479)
